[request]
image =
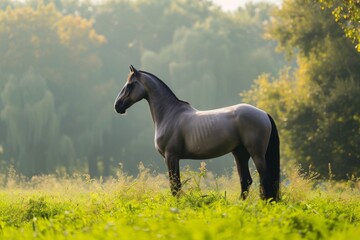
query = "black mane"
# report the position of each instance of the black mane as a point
(164, 84)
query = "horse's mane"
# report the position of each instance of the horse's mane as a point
(164, 85)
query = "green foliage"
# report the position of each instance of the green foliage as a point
(32, 124)
(347, 14)
(140, 208)
(43, 37)
(317, 105)
(38, 109)
(38, 208)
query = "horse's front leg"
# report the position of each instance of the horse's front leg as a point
(172, 163)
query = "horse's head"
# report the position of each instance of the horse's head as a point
(132, 92)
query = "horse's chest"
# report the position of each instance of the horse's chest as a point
(167, 140)
(160, 141)
(159, 147)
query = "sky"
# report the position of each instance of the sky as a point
(234, 4)
(229, 5)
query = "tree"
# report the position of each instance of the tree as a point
(317, 106)
(62, 49)
(210, 62)
(32, 125)
(347, 14)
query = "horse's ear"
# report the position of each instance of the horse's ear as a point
(133, 70)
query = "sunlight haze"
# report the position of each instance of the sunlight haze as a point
(234, 4)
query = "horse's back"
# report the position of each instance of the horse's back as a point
(251, 116)
(216, 132)
(243, 114)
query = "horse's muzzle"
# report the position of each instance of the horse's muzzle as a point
(123, 111)
(120, 108)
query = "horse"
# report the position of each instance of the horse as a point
(183, 132)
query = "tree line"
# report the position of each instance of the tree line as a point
(63, 62)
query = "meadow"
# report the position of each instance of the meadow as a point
(125, 207)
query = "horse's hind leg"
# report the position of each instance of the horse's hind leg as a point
(265, 178)
(242, 162)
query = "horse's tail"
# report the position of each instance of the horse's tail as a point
(272, 157)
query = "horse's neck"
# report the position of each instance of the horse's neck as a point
(163, 104)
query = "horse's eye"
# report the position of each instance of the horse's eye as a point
(131, 86)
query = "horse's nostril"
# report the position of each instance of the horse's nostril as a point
(117, 107)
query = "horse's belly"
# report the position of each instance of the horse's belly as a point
(210, 147)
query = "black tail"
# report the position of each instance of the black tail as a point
(272, 157)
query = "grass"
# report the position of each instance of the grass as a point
(124, 207)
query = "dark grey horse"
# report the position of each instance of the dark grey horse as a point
(182, 132)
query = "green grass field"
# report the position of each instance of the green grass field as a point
(77, 207)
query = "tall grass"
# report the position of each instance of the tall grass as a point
(126, 207)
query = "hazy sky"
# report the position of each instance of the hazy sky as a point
(233, 4)
(228, 4)
(225, 4)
